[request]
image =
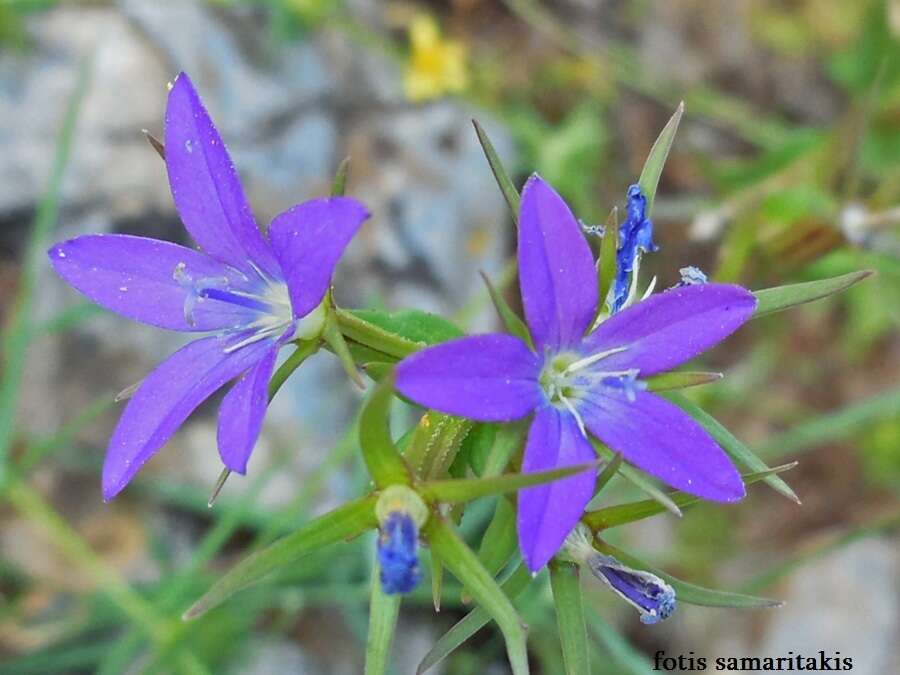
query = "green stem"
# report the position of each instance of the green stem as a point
(570, 617)
(304, 351)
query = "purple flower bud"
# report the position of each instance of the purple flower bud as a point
(398, 544)
(635, 236)
(650, 595)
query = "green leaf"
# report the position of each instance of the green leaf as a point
(688, 592)
(383, 610)
(511, 321)
(680, 380)
(465, 566)
(507, 442)
(477, 446)
(731, 445)
(613, 516)
(467, 489)
(383, 460)
(564, 582)
(417, 327)
(345, 522)
(339, 184)
(471, 623)
(656, 160)
(500, 538)
(771, 300)
(510, 194)
(606, 266)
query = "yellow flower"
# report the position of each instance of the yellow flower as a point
(436, 66)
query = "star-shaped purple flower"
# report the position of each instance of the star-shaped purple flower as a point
(577, 382)
(253, 293)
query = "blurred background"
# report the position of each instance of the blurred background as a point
(786, 168)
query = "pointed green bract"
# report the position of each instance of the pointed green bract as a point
(639, 480)
(771, 300)
(511, 321)
(465, 566)
(621, 514)
(339, 184)
(610, 470)
(735, 449)
(688, 592)
(383, 460)
(437, 582)
(345, 522)
(467, 489)
(334, 338)
(564, 582)
(680, 380)
(472, 622)
(367, 330)
(510, 194)
(656, 160)
(383, 611)
(155, 143)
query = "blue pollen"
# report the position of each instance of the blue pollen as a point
(398, 556)
(652, 596)
(691, 276)
(635, 236)
(236, 299)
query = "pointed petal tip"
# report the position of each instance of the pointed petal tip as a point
(535, 179)
(110, 489)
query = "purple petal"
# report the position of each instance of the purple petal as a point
(556, 269)
(664, 441)
(547, 513)
(669, 328)
(206, 188)
(135, 277)
(241, 414)
(491, 378)
(308, 240)
(166, 398)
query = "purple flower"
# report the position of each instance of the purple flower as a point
(252, 293)
(577, 382)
